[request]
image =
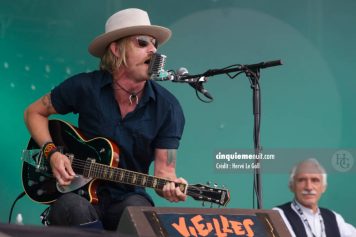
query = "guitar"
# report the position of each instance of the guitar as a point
(92, 160)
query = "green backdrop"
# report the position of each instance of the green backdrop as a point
(307, 104)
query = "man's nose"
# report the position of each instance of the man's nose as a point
(308, 185)
(152, 48)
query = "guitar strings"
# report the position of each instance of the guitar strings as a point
(98, 169)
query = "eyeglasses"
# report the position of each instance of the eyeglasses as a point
(143, 41)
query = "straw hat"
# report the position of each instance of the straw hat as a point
(124, 23)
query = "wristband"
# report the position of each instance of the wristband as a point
(48, 149)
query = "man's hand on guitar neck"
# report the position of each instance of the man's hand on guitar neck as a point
(172, 192)
(62, 168)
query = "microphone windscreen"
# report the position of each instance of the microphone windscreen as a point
(157, 63)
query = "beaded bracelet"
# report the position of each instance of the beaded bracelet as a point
(48, 149)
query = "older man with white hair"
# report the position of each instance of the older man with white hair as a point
(303, 216)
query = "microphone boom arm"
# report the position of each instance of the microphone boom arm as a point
(236, 68)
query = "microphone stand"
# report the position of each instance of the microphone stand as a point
(254, 76)
(252, 71)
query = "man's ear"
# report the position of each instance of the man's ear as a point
(114, 48)
(291, 188)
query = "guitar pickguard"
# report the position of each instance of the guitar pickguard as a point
(78, 182)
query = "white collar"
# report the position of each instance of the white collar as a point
(306, 210)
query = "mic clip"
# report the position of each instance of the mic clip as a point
(190, 80)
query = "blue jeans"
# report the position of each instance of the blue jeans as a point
(74, 210)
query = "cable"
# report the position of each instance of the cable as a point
(13, 205)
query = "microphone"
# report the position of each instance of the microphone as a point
(197, 84)
(156, 72)
(155, 68)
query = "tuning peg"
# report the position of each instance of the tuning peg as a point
(208, 183)
(203, 204)
(215, 185)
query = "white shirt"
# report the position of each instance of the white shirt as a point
(317, 226)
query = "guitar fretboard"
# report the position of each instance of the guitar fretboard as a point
(100, 171)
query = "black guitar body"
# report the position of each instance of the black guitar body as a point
(41, 186)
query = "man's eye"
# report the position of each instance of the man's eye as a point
(142, 43)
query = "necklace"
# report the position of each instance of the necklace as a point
(300, 212)
(132, 95)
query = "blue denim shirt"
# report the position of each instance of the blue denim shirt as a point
(157, 122)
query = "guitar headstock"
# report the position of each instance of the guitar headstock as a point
(206, 193)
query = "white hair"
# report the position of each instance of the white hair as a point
(316, 166)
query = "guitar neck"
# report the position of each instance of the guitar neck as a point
(100, 171)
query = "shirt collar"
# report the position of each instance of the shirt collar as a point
(307, 210)
(106, 78)
(148, 94)
(148, 91)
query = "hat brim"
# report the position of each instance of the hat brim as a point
(98, 45)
